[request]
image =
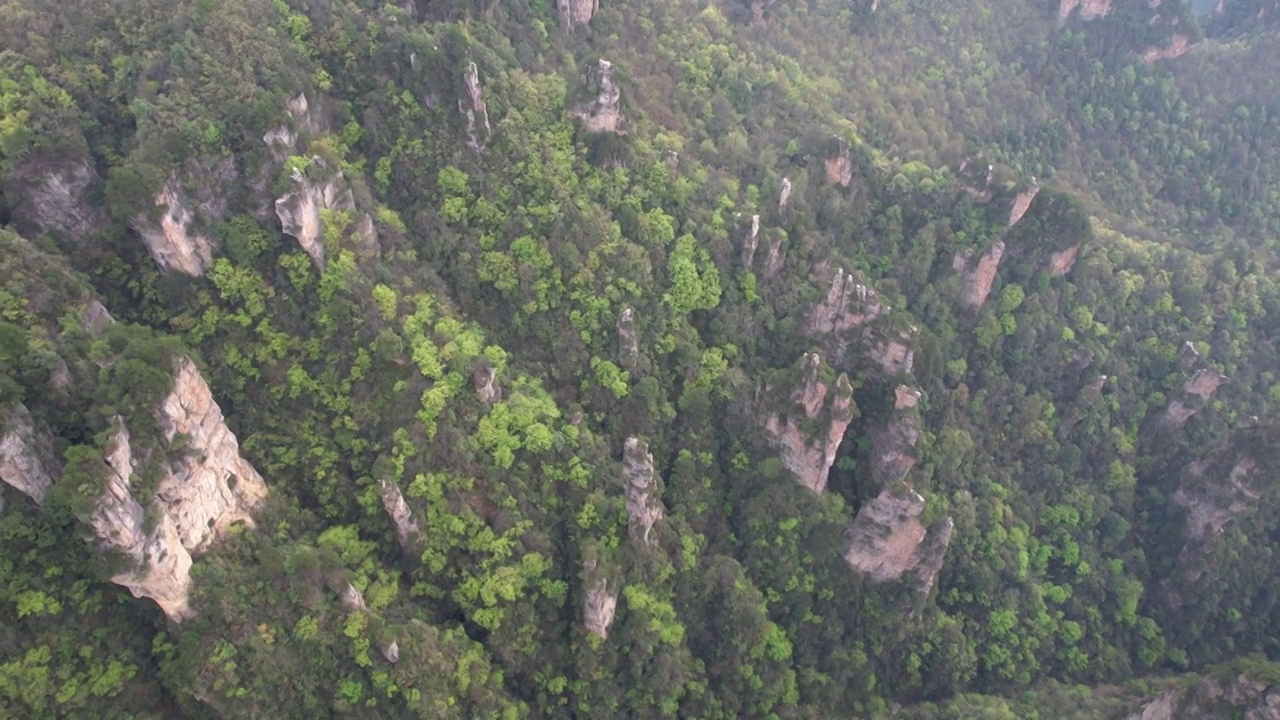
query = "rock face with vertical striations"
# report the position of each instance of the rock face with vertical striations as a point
(603, 111)
(643, 492)
(628, 339)
(474, 111)
(806, 454)
(57, 200)
(784, 195)
(839, 166)
(398, 510)
(299, 212)
(27, 461)
(848, 304)
(750, 242)
(977, 278)
(893, 444)
(888, 539)
(600, 601)
(173, 243)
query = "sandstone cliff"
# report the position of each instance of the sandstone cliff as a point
(628, 339)
(1089, 9)
(600, 601)
(173, 242)
(888, 539)
(603, 111)
(808, 449)
(1022, 201)
(56, 202)
(1195, 394)
(893, 443)
(398, 510)
(299, 212)
(643, 492)
(848, 305)
(839, 166)
(977, 278)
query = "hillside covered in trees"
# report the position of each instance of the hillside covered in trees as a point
(714, 359)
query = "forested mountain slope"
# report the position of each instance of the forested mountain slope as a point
(667, 359)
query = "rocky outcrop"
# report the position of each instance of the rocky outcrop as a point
(1241, 696)
(1178, 46)
(301, 117)
(173, 243)
(485, 382)
(888, 540)
(1212, 503)
(27, 461)
(976, 280)
(474, 111)
(644, 503)
(893, 353)
(1061, 262)
(848, 305)
(839, 167)
(1188, 356)
(773, 263)
(784, 195)
(391, 651)
(603, 112)
(599, 603)
(407, 531)
(1022, 201)
(204, 485)
(628, 339)
(159, 563)
(976, 181)
(1089, 9)
(576, 12)
(1195, 394)
(893, 444)
(299, 211)
(352, 599)
(806, 454)
(749, 243)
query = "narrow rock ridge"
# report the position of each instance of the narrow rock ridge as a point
(644, 504)
(888, 540)
(1022, 201)
(784, 196)
(776, 256)
(809, 456)
(173, 244)
(485, 381)
(204, 486)
(976, 281)
(1061, 262)
(749, 243)
(839, 166)
(576, 12)
(27, 461)
(299, 211)
(628, 339)
(603, 113)
(407, 531)
(475, 111)
(893, 444)
(1195, 394)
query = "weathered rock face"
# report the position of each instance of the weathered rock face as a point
(474, 110)
(628, 339)
(160, 563)
(976, 181)
(1195, 395)
(888, 540)
(56, 202)
(1178, 46)
(603, 113)
(27, 461)
(1089, 9)
(485, 381)
(750, 241)
(576, 12)
(203, 488)
(598, 609)
(976, 281)
(1022, 201)
(849, 304)
(398, 510)
(784, 195)
(894, 354)
(299, 211)
(1212, 504)
(301, 116)
(644, 504)
(893, 444)
(1241, 697)
(777, 256)
(1061, 262)
(810, 457)
(173, 243)
(839, 166)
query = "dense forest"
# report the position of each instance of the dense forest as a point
(724, 359)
